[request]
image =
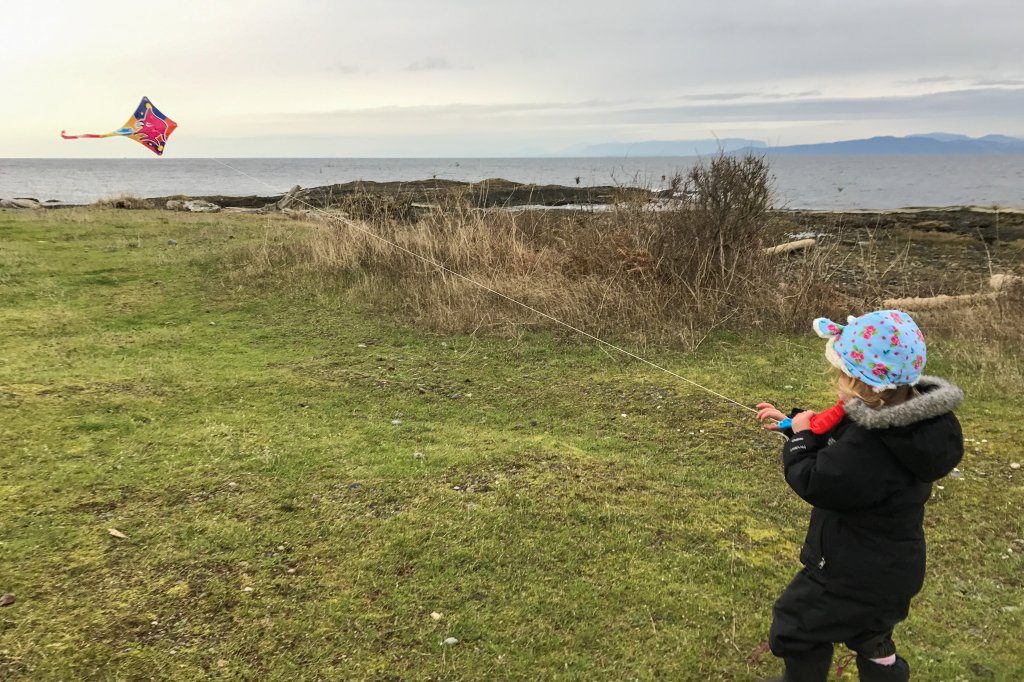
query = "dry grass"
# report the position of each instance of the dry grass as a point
(637, 272)
(668, 273)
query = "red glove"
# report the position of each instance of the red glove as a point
(823, 422)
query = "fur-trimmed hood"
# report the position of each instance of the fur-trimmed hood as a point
(937, 396)
(921, 432)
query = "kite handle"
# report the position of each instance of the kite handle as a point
(786, 423)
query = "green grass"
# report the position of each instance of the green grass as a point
(573, 515)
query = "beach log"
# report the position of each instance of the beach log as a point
(20, 203)
(939, 302)
(288, 198)
(790, 247)
(1004, 282)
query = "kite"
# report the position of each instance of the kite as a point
(147, 126)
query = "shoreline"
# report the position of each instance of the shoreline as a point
(407, 199)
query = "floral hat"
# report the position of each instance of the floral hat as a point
(884, 349)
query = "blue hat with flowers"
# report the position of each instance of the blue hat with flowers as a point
(884, 348)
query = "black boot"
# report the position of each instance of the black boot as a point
(873, 672)
(805, 669)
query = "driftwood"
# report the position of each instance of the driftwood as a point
(938, 302)
(790, 247)
(288, 198)
(1004, 282)
(999, 284)
(20, 203)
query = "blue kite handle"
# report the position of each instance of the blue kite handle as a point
(785, 423)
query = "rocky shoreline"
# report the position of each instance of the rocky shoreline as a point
(405, 200)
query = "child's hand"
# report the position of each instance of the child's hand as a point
(766, 411)
(802, 421)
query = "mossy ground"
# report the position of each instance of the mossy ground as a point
(572, 514)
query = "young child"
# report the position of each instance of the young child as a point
(867, 467)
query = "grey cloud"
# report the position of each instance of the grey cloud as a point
(429, 64)
(975, 103)
(924, 80)
(980, 103)
(1005, 81)
(345, 69)
(732, 96)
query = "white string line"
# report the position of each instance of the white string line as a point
(440, 266)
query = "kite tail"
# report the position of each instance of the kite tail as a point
(78, 137)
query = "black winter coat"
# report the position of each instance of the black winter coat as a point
(868, 480)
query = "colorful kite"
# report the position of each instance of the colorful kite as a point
(147, 126)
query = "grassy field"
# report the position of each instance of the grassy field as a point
(303, 483)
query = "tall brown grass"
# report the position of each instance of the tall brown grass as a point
(673, 271)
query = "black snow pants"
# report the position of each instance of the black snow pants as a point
(808, 619)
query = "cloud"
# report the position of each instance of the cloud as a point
(925, 80)
(732, 96)
(977, 104)
(345, 69)
(1005, 81)
(429, 64)
(802, 106)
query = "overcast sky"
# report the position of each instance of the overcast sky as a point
(487, 78)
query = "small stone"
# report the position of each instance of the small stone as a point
(362, 345)
(280, 548)
(172, 242)
(7, 599)
(451, 641)
(623, 414)
(222, 663)
(247, 589)
(232, 484)
(434, 615)
(290, 571)
(788, 387)
(396, 422)
(352, 487)
(418, 455)
(1015, 465)
(956, 473)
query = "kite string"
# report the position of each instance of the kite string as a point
(440, 266)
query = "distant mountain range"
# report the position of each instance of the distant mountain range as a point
(922, 144)
(665, 147)
(927, 144)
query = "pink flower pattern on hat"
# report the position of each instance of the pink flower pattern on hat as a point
(884, 348)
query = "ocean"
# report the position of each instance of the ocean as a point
(812, 182)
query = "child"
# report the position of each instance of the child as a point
(867, 467)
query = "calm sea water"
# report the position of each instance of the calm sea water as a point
(822, 182)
